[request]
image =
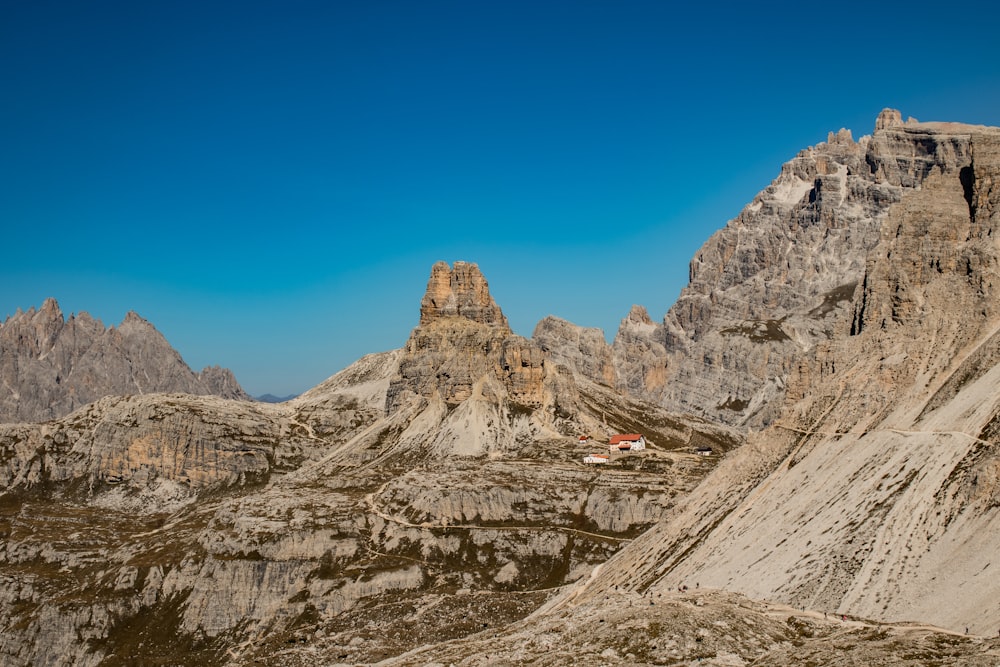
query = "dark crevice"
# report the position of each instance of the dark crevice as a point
(967, 178)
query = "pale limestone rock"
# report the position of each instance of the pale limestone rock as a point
(584, 350)
(638, 345)
(888, 118)
(463, 337)
(462, 292)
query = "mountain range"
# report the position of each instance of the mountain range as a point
(51, 365)
(820, 485)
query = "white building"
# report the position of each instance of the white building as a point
(628, 442)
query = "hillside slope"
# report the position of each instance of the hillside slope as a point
(877, 491)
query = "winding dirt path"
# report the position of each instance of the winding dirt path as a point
(778, 610)
(898, 431)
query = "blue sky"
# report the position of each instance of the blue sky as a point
(269, 183)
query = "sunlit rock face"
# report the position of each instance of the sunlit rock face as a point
(461, 292)
(50, 365)
(582, 349)
(463, 344)
(782, 277)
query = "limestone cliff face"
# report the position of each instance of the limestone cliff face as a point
(876, 491)
(580, 349)
(779, 279)
(50, 366)
(639, 346)
(462, 292)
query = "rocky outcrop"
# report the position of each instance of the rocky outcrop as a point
(463, 345)
(460, 292)
(779, 279)
(639, 346)
(190, 440)
(583, 350)
(50, 366)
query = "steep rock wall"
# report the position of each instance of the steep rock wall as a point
(876, 492)
(780, 278)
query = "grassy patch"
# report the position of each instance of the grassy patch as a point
(832, 299)
(154, 636)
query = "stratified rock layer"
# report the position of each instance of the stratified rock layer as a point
(463, 346)
(50, 366)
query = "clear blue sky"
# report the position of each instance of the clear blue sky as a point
(269, 183)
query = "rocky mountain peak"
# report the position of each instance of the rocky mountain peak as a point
(50, 366)
(463, 345)
(582, 349)
(780, 277)
(461, 291)
(50, 308)
(638, 315)
(888, 118)
(842, 136)
(133, 318)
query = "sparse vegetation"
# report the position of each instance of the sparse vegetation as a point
(759, 331)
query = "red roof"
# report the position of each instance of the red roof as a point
(628, 437)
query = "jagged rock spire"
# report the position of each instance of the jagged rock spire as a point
(463, 337)
(461, 291)
(888, 118)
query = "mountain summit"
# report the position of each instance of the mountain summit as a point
(780, 279)
(463, 347)
(461, 291)
(50, 365)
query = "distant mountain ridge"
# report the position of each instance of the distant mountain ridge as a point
(51, 365)
(271, 398)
